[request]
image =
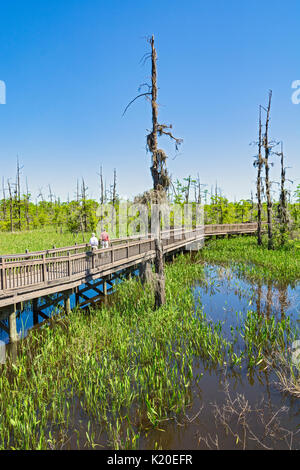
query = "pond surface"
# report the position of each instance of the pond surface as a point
(223, 294)
(222, 395)
(272, 417)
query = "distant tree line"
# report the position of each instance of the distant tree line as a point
(18, 210)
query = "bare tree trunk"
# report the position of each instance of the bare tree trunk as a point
(18, 195)
(105, 192)
(27, 206)
(36, 209)
(199, 190)
(101, 187)
(267, 170)
(160, 177)
(187, 194)
(114, 194)
(50, 194)
(84, 206)
(4, 200)
(159, 258)
(77, 192)
(146, 272)
(10, 206)
(101, 196)
(258, 182)
(283, 211)
(161, 180)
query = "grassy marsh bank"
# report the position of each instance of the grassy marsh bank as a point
(39, 239)
(110, 377)
(242, 253)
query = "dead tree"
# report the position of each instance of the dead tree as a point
(4, 200)
(77, 192)
(115, 188)
(50, 194)
(283, 206)
(161, 180)
(84, 216)
(198, 185)
(159, 175)
(18, 194)
(259, 165)
(187, 192)
(267, 148)
(40, 195)
(27, 206)
(101, 196)
(10, 206)
(101, 187)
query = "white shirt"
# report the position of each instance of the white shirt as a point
(94, 242)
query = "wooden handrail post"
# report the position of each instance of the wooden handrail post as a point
(3, 274)
(44, 268)
(112, 255)
(69, 264)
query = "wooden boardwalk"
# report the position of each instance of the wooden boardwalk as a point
(31, 275)
(36, 276)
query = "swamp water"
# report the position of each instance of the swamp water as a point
(237, 409)
(228, 408)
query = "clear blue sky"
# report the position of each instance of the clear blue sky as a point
(71, 66)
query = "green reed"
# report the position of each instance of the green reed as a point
(39, 239)
(107, 377)
(253, 262)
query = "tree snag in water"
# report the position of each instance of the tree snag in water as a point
(161, 180)
(160, 177)
(283, 206)
(259, 164)
(267, 179)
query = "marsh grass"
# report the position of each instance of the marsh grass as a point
(39, 239)
(107, 377)
(281, 266)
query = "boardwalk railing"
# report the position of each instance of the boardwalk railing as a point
(56, 252)
(38, 270)
(224, 229)
(68, 265)
(220, 229)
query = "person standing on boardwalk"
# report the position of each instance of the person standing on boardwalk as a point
(104, 238)
(94, 241)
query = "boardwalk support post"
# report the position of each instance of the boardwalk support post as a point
(67, 302)
(77, 296)
(104, 287)
(13, 335)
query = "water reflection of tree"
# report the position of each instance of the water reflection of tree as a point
(283, 294)
(258, 298)
(270, 301)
